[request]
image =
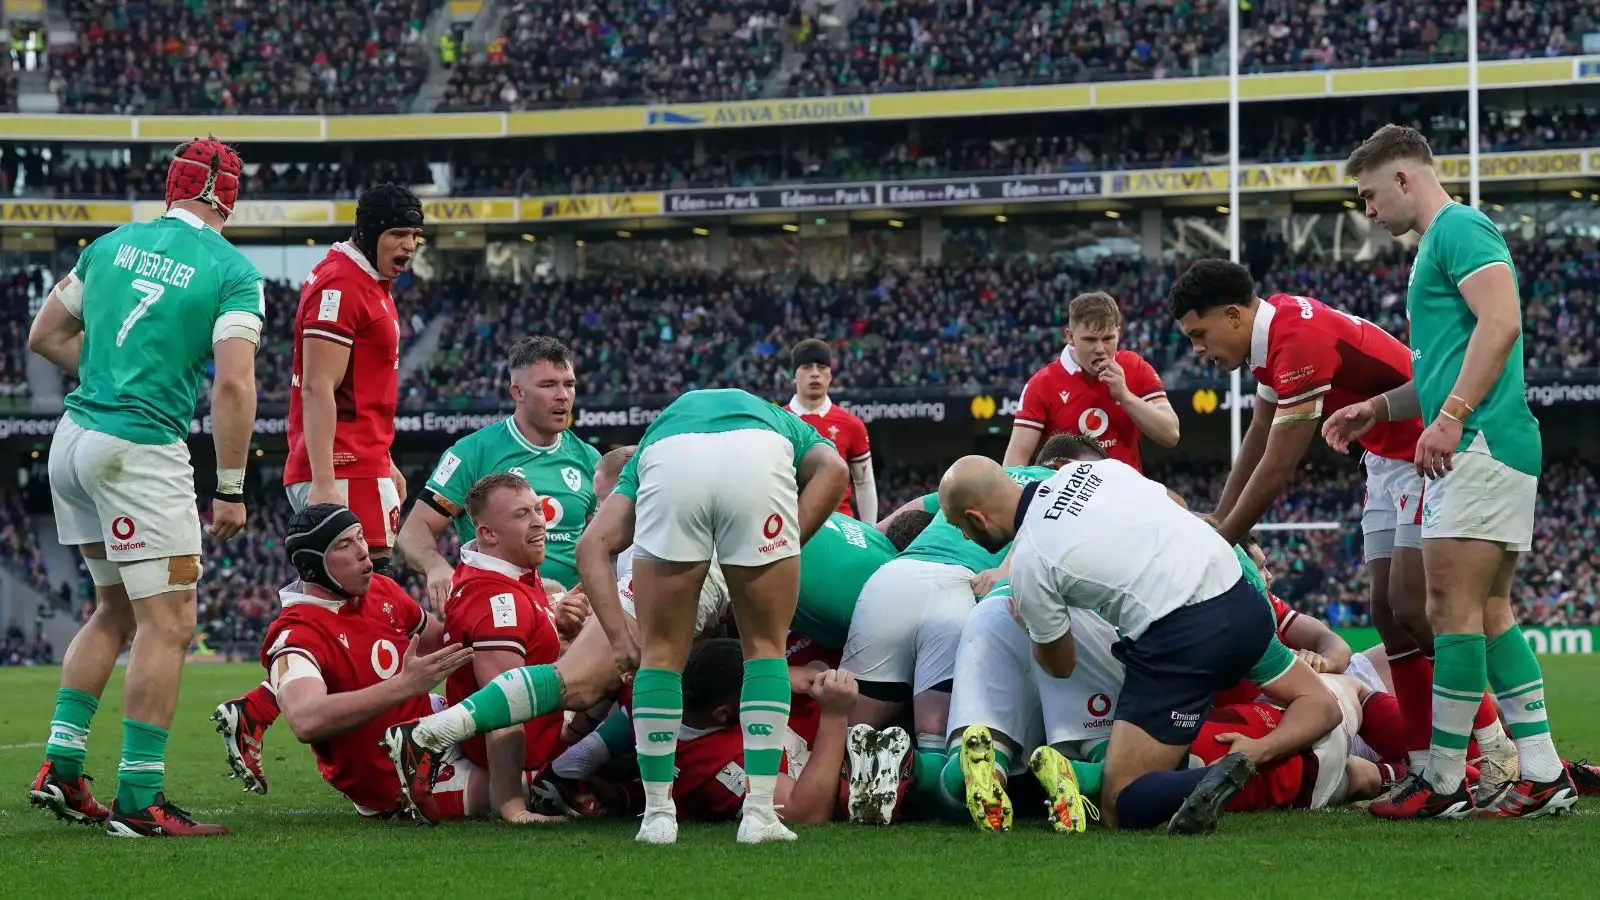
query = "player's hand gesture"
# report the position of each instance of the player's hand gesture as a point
(227, 519)
(571, 611)
(440, 580)
(1437, 447)
(421, 673)
(835, 691)
(1347, 425)
(802, 679)
(1115, 380)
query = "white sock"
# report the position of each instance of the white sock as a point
(582, 759)
(759, 790)
(658, 798)
(1492, 738)
(445, 729)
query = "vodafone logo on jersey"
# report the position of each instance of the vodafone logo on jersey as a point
(1093, 422)
(1099, 709)
(771, 529)
(385, 659)
(551, 507)
(122, 532)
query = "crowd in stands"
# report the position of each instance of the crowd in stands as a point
(21, 290)
(1098, 142)
(224, 56)
(321, 56)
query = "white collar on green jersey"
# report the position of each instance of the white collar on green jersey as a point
(186, 217)
(295, 594)
(470, 556)
(1259, 333)
(530, 446)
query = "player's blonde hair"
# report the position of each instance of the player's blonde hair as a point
(1096, 309)
(484, 488)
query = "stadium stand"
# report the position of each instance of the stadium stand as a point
(209, 56)
(563, 53)
(20, 289)
(1105, 141)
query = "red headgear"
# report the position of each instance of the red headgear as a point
(207, 170)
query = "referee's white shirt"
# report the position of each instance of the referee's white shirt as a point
(1100, 536)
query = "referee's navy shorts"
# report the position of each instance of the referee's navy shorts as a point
(1187, 656)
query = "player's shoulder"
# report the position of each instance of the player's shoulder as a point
(230, 260)
(576, 448)
(1049, 373)
(386, 588)
(1460, 216)
(1128, 359)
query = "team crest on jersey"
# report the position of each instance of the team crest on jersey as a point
(572, 477)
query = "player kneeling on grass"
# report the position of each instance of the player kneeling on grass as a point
(351, 655)
(1100, 536)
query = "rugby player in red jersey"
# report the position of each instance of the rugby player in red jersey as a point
(1095, 390)
(1310, 361)
(341, 412)
(498, 607)
(813, 375)
(352, 654)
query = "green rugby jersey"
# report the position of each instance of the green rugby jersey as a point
(561, 474)
(153, 293)
(942, 542)
(834, 565)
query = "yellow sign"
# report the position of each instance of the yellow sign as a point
(740, 114)
(1205, 401)
(983, 407)
(1396, 80)
(1329, 175)
(248, 213)
(57, 213)
(591, 206)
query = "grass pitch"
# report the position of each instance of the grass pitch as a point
(304, 840)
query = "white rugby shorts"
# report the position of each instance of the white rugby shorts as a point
(1482, 498)
(1392, 514)
(1000, 686)
(731, 494)
(137, 499)
(907, 624)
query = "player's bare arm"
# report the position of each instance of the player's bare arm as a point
(505, 748)
(1289, 435)
(325, 363)
(57, 330)
(1251, 447)
(1157, 420)
(1059, 658)
(866, 488)
(1491, 295)
(609, 534)
(233, 418)
(1314, 635)
(1309, 713)
(823, 476)
(430, 634)
(1020, 449)
(315, 715)
(418, 543)
(1348, 425)
(914, 503)
(814, 795)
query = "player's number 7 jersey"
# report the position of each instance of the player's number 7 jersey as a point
(154, 294)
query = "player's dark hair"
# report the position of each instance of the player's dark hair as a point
(1096, 309)
(613, 461)
(528, 351)
(1388, 144)
(713, 675)
(478, 496)
(1209, 283)
(1065, 448)
(906, 525)
(810, 350)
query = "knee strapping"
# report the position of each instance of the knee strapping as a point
(149, 577)
(104, 572)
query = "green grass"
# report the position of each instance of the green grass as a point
(304, 840)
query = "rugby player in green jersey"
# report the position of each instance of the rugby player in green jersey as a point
(137, 320)
(1482, 452)
(532, 442)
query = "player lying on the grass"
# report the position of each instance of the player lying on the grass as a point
(352, 654)
(1312, 361)
(1098, 535)
(1319, 646)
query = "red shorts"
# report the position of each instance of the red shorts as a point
(449, 792)
(1275, 785)
(375, 501)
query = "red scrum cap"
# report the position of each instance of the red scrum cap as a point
(207, 170)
